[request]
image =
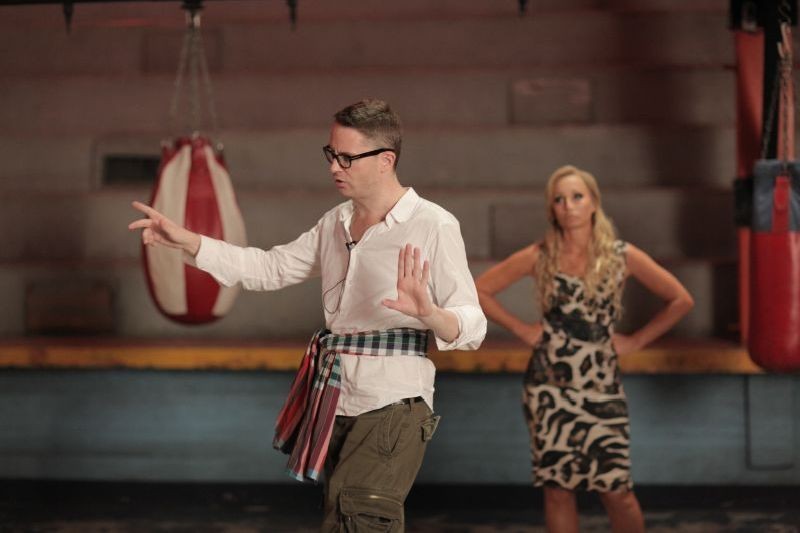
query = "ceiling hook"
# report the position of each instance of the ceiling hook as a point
(68, 10)
(193, 8)
(292, 12)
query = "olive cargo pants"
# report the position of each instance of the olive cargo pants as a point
(372, 462)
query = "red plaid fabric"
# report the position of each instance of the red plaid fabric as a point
(305, 423)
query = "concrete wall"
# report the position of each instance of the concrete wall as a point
(640, 93)
(209, 426)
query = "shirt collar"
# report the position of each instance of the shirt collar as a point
(346, 210)
(404, 207)
(401, 211)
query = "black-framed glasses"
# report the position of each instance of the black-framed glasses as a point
(345, 160)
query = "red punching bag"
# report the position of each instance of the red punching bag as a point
(194, 189)
(774, 339)
(774, 342)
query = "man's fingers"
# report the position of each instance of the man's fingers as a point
(401, 263)
(417, 272)
(409, 266)
(161, 240)
(149, 225)
(147, 236)
(147, 210)
(144, 208)
(142, 223)
(426, 272)
(151, 238)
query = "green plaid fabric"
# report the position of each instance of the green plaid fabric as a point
(389, 342)
(305, 422)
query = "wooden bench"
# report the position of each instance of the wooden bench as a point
(666, 357)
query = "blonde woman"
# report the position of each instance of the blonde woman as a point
(574, 402)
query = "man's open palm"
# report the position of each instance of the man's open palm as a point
(412, 285)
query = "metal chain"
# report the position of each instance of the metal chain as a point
(784, 12)
(785, 53)
(194, 100)
(178, 85)
(784, 15)
(193, 59)
(782, 83)
(786, 86)
(773, 102)
(212, 110)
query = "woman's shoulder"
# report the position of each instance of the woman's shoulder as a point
(514, 267)
(534, 251)
(529, 254)
(629, 250)
(523, 260)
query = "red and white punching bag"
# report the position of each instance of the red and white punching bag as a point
(195, 190)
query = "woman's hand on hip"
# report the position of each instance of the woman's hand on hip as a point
(530, 334)
(625, 344)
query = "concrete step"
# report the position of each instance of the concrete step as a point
(296, 311)
(494, 223)
(132, 45)
(449, 98)
(510, 157)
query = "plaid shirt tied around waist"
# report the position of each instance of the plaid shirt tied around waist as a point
(305, 423)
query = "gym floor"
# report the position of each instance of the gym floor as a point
(94, 507)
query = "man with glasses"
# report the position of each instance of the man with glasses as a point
(393, 267)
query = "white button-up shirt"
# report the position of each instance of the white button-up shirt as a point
(356, 278)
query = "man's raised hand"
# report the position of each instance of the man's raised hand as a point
(412, 285)
(158, 229)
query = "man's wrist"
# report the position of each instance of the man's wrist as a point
(193, 246)
(444, 323)
(431, 318)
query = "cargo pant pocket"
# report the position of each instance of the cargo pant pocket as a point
(370, 511)
(393, 431)
(429, 426)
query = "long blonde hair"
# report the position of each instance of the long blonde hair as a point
(604, 262)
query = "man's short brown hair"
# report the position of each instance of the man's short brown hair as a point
(375, 120)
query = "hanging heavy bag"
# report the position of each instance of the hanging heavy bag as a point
(193, 188)
(774, 340)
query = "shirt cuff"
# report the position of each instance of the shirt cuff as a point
(471, 329)
(205, 253)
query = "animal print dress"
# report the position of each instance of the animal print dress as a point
(574, 402)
